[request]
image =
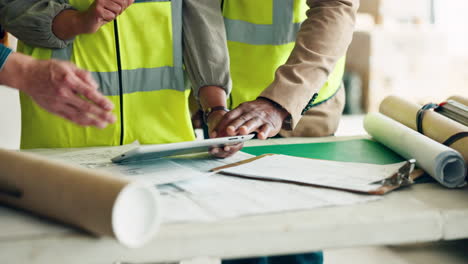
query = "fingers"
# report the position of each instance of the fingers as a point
(105, 14)
(254, 116)
(80, 87)
(226, 151)
(108, 10)
(197, 120)
(241, 121)
(222, 127)
(114, 7)
(87, 77)
(80, 118)
(124, 4)
(250, 126)
(86, 107)
(265, 132)
(213, 122)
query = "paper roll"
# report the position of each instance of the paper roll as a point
(92, 200)
(442, 163)
(435, 125)
(460, 99)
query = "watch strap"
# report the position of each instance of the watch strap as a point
(209, 110)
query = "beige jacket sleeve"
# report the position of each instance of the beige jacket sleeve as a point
(321, 41)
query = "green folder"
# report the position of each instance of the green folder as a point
(356, 150)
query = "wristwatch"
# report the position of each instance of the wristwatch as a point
(207, 112)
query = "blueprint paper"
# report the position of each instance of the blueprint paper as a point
(158, 171)
(444, 164)
(195, 194)
(435, 125)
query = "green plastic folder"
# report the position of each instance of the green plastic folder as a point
(356, 150)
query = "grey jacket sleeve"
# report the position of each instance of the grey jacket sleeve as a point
(205, 47)
(31, 21)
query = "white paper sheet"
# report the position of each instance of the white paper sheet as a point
(158, 171)
(216, 197)
(342, 175)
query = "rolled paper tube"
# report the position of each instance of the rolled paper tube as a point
(460, 99)
(441, 162)
(435, 125)
(95, 201)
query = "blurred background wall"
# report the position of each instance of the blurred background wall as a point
(412, 48)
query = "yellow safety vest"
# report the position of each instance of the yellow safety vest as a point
(261, 35)
(137, 61)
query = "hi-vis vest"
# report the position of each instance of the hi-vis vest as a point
(137, 61)
(261, 35)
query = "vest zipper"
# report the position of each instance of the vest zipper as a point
(119, 67)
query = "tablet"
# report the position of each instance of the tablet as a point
(147, 152)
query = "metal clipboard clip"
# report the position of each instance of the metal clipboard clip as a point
(401, 177)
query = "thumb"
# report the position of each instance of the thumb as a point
(213, 122)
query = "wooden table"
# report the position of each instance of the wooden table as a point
(425, 212)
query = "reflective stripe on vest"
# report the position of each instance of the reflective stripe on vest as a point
(149, 65)
(139, 80)
(282, 31)
(261, 36)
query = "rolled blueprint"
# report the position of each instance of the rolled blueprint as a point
(442, 163)
(435, 125)
(460, 99)
(100, 203)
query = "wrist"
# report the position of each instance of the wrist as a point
(15, 70)
(211, 110)
(283, 113)
(211, 96)
(70, 23)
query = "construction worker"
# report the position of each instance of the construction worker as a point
(283, 52)
(134, 51)
(54, 86)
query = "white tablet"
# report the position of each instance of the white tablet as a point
(147, 152)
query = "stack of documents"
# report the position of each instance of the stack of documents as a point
(356, 177)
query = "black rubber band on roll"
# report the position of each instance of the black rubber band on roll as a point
(455, 138)
(420, 115)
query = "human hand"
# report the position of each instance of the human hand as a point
(71, 23)
(102, 12)
(61, 88)
(213, 120)
(197, 118)
(260, 115)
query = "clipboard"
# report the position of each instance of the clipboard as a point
(404, 176)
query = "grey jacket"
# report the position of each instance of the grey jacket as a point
(205, 50)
